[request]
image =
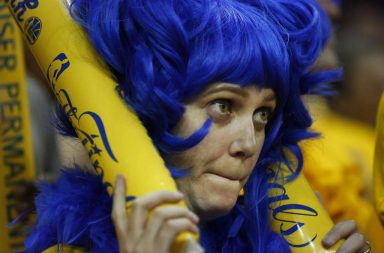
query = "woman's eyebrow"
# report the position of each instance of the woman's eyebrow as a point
(238, 90)
(269, 97)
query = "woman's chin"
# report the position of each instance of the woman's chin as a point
(213, 209)
(210, 196)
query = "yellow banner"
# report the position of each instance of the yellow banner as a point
(63, 249)
(16, 156)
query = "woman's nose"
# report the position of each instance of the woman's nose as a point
(244, 144)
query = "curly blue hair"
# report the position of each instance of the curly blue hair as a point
(162, 53)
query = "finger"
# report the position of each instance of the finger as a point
(161, 215)
(119, 214)
(169, 231)
(354, 243)
(339, 231)
(142, 206)
(154, 199)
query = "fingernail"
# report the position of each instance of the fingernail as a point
(328, 241)
(195, 217)
(119, 179)
(179, 194)
(195, 229)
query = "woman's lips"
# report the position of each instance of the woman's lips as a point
(227, 177)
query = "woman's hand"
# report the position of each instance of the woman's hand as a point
(354, 241)
(137, 234)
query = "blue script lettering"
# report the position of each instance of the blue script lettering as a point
(58, 66)
(288, 214)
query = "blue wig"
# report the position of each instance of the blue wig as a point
(164, 52)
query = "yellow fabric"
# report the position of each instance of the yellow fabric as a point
(63, 249)
(339, 166)
(378, 171)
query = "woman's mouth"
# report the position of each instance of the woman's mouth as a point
(223, 177)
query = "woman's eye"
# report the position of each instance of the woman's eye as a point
(221, 106)
(262, 115)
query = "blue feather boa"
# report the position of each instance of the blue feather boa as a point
(76, 210)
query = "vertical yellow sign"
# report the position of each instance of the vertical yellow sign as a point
(16, 156)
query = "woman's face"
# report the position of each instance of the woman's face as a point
(223, 161)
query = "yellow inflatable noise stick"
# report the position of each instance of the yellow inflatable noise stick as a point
(16, 154)
(113, 136)
(297, 215)
(378, 167)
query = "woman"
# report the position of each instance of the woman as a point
(217, 84)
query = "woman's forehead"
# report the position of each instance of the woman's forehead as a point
(237, 88)
(263, 94)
